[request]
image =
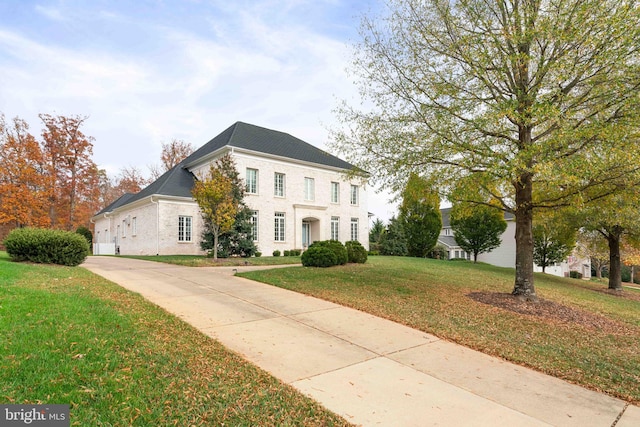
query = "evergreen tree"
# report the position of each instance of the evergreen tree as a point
(420, 216)
(394, 241)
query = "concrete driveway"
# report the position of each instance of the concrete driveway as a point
(372, 371)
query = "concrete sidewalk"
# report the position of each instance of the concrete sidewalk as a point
(372, 371)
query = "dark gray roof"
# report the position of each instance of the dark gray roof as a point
(448, 241)
(122, 200)
(446, 217)
(178, 181)
(263, 140)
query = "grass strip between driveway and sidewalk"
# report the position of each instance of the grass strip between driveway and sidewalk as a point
(203, 261)
(69, 336)
(578, 332)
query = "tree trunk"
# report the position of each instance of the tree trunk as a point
(524, 288)
(615, 266)
(215, 245)
(475, 257)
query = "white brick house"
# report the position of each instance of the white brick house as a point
(299, 194)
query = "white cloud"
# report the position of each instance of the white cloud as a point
(254, 63)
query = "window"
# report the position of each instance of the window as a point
(278, 185)
(447, 232)
(335, 192)
(252, 181)
(309, 191)
(184, 229)
(354, 194)
(279, 227)
(124, 228)
(354, 228)
(134, 226)
(254, 225)
(335, 228)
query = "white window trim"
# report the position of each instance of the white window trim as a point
(247, 186)
(275, 184)
(255, 224)
(337, 192)
(356, 222)
(354, 195)
(309, 189)
(187, 229)
(335, 221)
(280, 227)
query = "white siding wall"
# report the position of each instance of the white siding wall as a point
(505, 254)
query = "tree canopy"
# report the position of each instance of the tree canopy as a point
(536, 100)
(478, 228)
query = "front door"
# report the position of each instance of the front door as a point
(306, 234)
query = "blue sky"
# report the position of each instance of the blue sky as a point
(148, 71)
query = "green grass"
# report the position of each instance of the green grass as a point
(432, 296)
(69, 336)
(202, 261)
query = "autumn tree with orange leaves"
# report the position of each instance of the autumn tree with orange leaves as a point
(71, 173)
(49, 183)
(23, 185)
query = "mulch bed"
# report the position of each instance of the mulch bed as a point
(551, 311)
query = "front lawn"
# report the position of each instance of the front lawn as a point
(579, 332)
(69, 336)
(202, 261)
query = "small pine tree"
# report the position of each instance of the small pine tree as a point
(394, 241)
(420, 216)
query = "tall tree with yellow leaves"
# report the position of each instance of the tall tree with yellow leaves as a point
(214, 195)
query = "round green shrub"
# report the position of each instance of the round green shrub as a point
(356, 252)
(276, 253)
(258, 254)
(47, 246)
(287, 253)
(319, 256)
(337, 248)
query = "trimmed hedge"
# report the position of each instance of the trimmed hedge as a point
(356, 252)
(319, 256)
(47, 246)
(337, 248)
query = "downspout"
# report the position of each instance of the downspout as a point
(157, 224)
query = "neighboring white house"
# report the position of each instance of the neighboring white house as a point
(298, 193)
(505, 254)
